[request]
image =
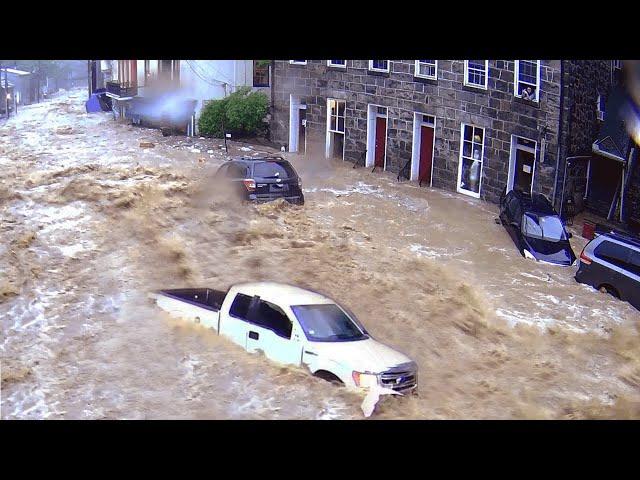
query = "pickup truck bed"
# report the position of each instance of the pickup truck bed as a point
(200, 297)
(201, 305)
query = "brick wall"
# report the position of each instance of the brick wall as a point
(495, 109)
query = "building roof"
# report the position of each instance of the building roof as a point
(17, 72)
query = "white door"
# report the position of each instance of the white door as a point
(271, 331)
(234, 324)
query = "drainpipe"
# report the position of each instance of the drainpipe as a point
(560, 118)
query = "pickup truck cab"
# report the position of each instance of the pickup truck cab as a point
(294, 326)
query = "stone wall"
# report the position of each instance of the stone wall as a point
(496, 109)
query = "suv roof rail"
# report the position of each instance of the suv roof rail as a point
(622, 236)
(264, 157)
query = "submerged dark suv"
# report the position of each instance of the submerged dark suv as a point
(611, 263)
(262, 179)
(536, 228)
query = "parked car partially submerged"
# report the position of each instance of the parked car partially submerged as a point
(535, 227)
(298, 327)
(611, 263)
(261, 179)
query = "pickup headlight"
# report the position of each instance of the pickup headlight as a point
(365, 380)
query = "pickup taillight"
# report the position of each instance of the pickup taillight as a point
(249, 184)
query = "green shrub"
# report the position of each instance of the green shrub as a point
(242, 112)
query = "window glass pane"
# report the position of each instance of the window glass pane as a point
(613, 253)
(332, 126)
(478, 135)
(634, 262)
(467, 149)
(468, 132)
(427, 68)
(530, 226)
(327, 323)
(470, 178)
(338, 62)
(528, 71)
(273, 169)
(272, 317)
(240, 306)
(380, 64)
(341, 124)
(341, 108)
(476, 72)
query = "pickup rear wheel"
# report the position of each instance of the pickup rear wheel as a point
(329, 377)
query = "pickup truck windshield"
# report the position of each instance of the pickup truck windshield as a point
(328, 323)
(273, 170)
(546, 228)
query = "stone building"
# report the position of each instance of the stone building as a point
(471, 126)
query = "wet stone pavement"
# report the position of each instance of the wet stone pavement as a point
(91, 222)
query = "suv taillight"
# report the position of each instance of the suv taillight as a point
(584, 259)
(249, 184)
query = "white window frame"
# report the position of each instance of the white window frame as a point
(512, 159)
(600, 113)
(475, 85)
(516, 80)
(330, 131)
(372, 69)
(417, 73)
(336, 65)
(296, 62)
(329, 115)
(464, 191)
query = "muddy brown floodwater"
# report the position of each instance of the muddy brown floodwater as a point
(91, 222)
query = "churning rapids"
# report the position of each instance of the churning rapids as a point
(91, 222)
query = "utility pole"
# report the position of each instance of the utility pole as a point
(6, 90)
(38, 77)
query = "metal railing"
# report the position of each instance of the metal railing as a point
(122, 89)
(405, 171)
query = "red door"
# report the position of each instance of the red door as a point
(381, 141)
(426, 154)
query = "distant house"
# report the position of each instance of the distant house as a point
(25, 84)
(174, 91)
(6, 97)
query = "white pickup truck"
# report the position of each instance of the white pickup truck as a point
(294, 326)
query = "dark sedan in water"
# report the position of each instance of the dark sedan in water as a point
(262, 179)
(536, 228)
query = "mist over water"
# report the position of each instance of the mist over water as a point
(91, 223)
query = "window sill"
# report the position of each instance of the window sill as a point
(427, 80)
(475, 88)
(524, 101)
(378, 73)
(338, 67)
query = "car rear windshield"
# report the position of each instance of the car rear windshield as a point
(328, 323)
(547, 227)
(273, 170)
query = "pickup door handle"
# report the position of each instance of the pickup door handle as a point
(254, 335)
(310, 353)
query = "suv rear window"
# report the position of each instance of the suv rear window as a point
(614, 253)
(273, 170)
